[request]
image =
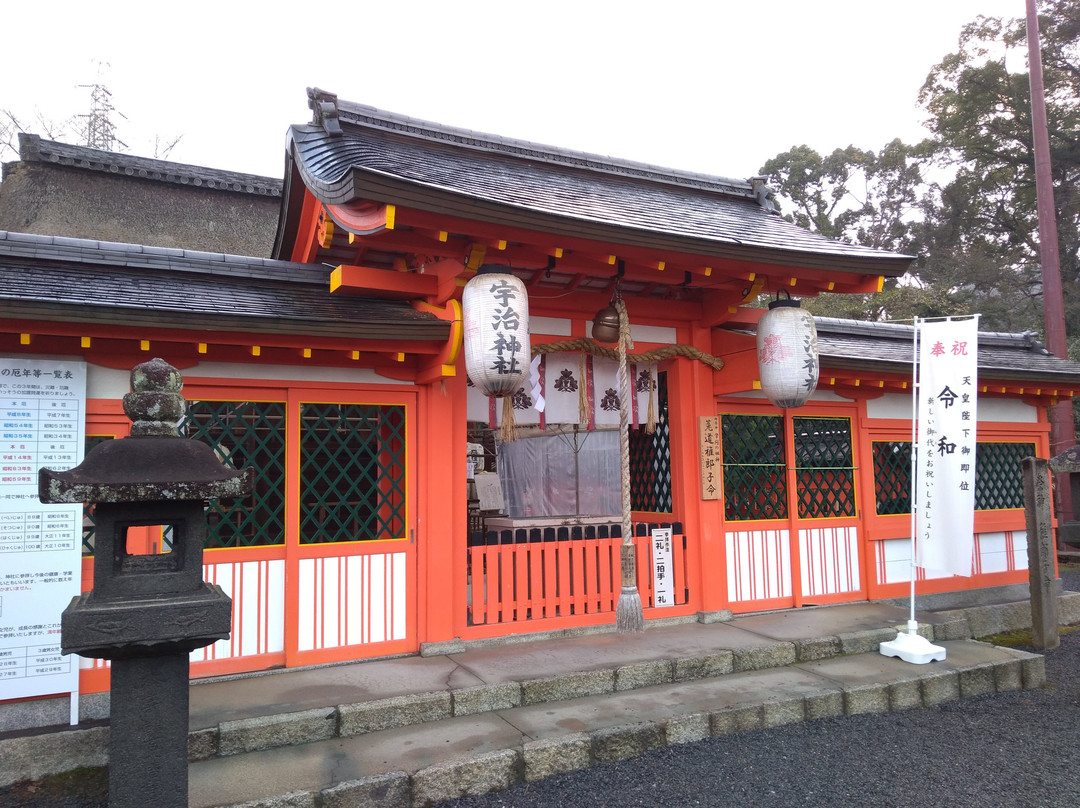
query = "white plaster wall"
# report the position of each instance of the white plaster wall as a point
(890, 405)
(819, 395)
(1007, 409)
(898, 405)
(550, 326)
(653, 333)
(561, 327)
(107, 382)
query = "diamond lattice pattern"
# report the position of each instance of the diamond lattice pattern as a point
(753, 455)
(244, 434)
(352, 476)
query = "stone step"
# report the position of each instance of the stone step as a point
(420, 762)
(447, 688)
(233, 715)
(237, 715)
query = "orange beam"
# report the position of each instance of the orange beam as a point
(307, 245)
(640, 309)
(385, 283)
(445, 363)
(702, 266)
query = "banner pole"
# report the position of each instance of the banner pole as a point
(910, 646)
(914, 468)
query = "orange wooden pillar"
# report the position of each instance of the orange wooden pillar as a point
(442, 508)
(690, 396)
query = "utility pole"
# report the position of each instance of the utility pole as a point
(1062, 431)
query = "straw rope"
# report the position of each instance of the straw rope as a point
(587, 345)
(628, 611)
(508, 426)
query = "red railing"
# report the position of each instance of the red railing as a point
(565, 579)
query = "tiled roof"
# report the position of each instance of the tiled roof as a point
(888, 347)
(33, 148)
(390, 158)
(92, 281)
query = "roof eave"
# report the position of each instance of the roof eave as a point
(986, 372)
(427, 330)
(364, 184)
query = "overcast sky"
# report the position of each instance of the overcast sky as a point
(714, 86)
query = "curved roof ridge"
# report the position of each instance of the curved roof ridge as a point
(34, 148)
(365, 115)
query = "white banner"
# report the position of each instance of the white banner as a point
(945, 454)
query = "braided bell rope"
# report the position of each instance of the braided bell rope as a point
(629, 616)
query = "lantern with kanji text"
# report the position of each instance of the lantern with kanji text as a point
(495, 310)
(787, 350)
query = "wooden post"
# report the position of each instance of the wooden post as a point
(1062, 430)
(1041, 555)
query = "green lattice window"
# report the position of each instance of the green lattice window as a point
(999, 482)
(88, 522)
(754, 471)
(243, 434)
(824, 473)
(999, 475)
(650, 458)
(892, 477)
(352, 475)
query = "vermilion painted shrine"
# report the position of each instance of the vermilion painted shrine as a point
(334, 368)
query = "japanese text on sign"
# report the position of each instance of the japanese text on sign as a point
(505, 321)
(663, 585)
(945, 453)
(42, 405)
(709, 452)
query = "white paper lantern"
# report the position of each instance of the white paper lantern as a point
(787, 350)
(495, 310)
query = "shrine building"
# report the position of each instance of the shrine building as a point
(392, 514)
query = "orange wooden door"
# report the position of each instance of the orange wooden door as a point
(350, 553)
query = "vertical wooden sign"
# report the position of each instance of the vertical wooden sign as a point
(709, 454)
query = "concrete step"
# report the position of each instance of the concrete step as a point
(251, 714)
(421, 762)
(237, 718)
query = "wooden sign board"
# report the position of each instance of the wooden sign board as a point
(709, 454)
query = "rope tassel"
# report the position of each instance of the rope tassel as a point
(508, 427)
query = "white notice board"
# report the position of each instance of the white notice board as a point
(42, 425)
(663, 585)
(489, 492)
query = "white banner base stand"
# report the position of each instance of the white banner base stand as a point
(912, 647)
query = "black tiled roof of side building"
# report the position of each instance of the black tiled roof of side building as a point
(888, 347)
(82, 280)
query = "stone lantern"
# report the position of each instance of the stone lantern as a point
(146, 613)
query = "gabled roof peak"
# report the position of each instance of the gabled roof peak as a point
(331, 113)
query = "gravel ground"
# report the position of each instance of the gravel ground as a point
(1013, 750)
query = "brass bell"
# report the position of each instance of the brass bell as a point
(605, 327)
